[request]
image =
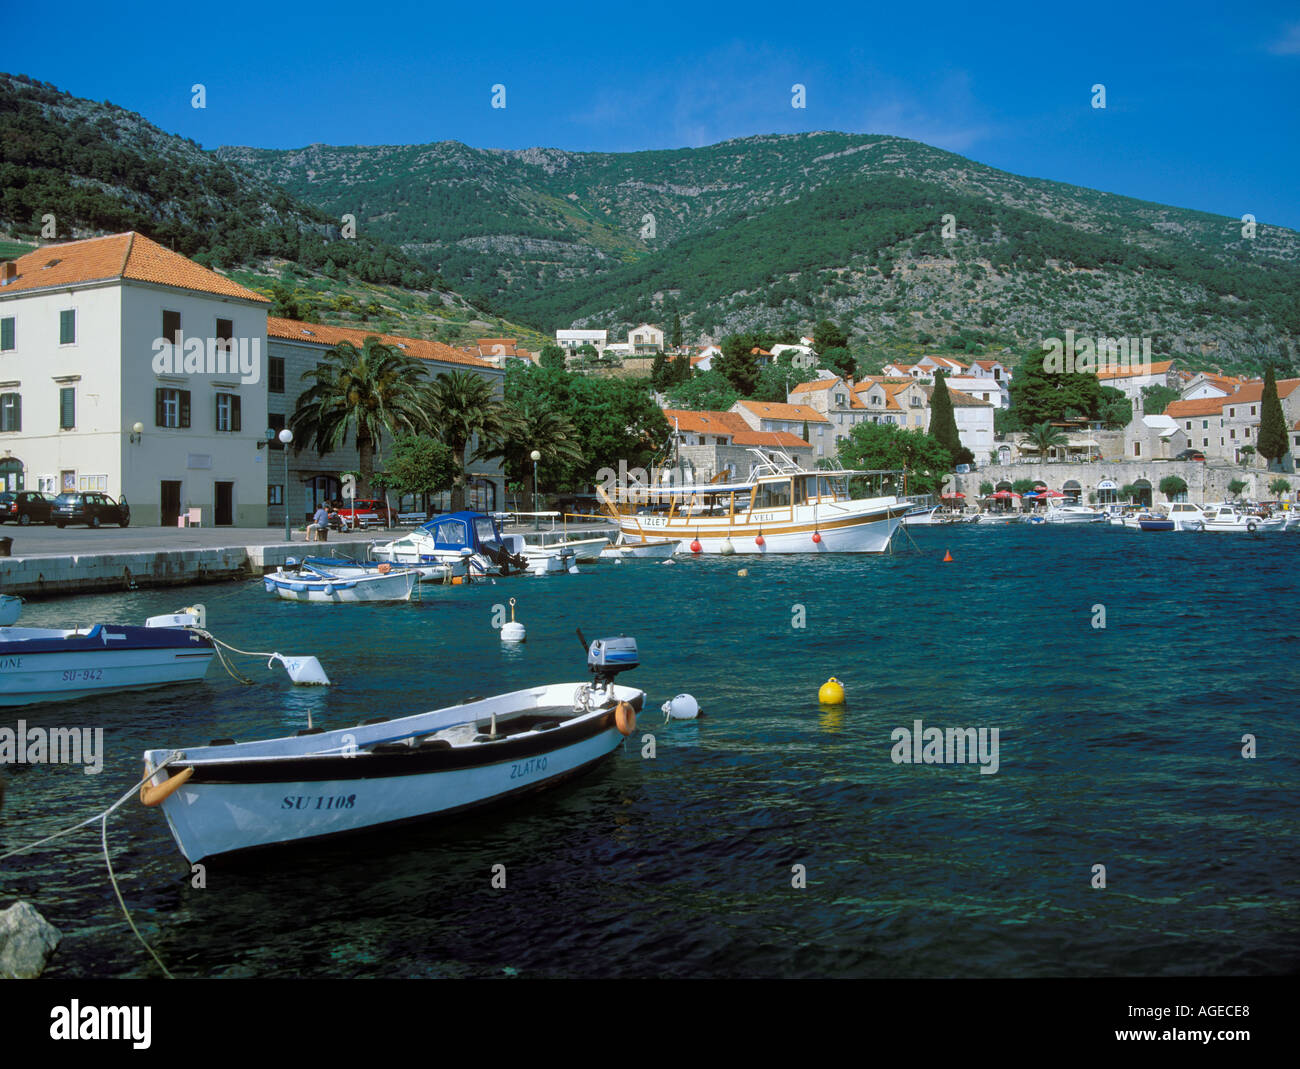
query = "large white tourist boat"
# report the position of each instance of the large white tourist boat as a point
(228, 797)
(779, 508)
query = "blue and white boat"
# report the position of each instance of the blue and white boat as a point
(472, 538)
(303, 582)
(348, 568)
(45, 664)
(228, 797)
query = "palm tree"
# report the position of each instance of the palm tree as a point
(365, 393)
(1042, 437)
(461, 407)
(533, 426)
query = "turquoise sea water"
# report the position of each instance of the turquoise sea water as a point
(1118, 746)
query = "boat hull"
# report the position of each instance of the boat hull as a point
(867, 532)
(63, 669)
(232, 807)
(396, 586)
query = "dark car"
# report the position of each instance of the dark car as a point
(26, 506)
(1190, 454)
(92, 509)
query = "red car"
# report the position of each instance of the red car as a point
(367, 512)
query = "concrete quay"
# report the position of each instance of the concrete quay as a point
(46, 562)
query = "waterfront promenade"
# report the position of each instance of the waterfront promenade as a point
(48, 562)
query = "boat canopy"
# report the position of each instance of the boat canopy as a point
(462, 530)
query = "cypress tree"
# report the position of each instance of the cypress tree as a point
(943, 423)
(1272, 443)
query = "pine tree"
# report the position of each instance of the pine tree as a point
(676, 338)
(1272, 444)
(943, 423)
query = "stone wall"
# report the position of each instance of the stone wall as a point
(1207, 481)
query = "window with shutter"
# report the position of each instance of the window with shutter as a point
(11, 412)
(7, 334)
(185, 407)
(67, 408)
(171, 326)
(67, 326)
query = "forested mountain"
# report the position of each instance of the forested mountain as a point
(97, 169)
(781, 231)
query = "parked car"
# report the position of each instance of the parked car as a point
(1190, 454)
(92, 509)
(367, 512)
(26, 506)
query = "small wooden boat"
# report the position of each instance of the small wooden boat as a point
(427, 573)
(304, 582)
(631, 547)
(46, 664)
(228, 797)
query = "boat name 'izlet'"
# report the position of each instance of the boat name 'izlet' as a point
(956, 746)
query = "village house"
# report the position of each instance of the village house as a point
(127, 369)
(501, 351)
(1131, 381)
(790, 419)
(573, 340)
(645, 340)
(974, 419)
(1223, 426)
(713, 443)
(834, 398)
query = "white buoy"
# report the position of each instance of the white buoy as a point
(682, 707)
(513, 631)
(305, 671)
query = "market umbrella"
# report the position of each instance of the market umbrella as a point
(952, 495)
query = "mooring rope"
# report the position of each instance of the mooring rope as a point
(231, 670)
(103, 816)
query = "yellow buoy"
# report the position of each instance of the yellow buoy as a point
(832, 692)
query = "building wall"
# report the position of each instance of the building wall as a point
(200, 456)
(39, 367)
(1206, 482)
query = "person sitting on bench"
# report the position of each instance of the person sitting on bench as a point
(319, 529)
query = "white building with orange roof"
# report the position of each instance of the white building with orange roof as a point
(974, 419)
(296, 347)
(1132, 380)
(773, 417)
(1209, 384)
(101, 336)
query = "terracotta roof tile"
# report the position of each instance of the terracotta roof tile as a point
(319, 334)
(1158, 367)
(705, 422)
(119, 256)
(772, 410)
(776, 438)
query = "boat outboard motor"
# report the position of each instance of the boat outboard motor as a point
(606, 657)
(503, 558)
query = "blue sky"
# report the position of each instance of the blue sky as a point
(1202, 100)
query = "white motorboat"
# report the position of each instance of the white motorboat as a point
(305, 582)
(922, 515)
(1186, 516)
(779, 508)
(228, 797)
(427, 573)
(1232, 519)
(625, 548)
(10, 609)
(472, 538)
(46, 664)
(1074, 514)
(991, 519)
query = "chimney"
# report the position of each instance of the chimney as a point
(8, 272)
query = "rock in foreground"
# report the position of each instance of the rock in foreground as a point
(26, 942)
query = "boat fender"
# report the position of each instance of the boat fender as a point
(384, 569)
(1250, 527)
(624, 718)
(155, 795)
(817, 538)
(695, 546)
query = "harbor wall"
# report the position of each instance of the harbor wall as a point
(63, 575)
(1207, 482)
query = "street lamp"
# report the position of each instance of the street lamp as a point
(137, 429)
(286, 436)
(536, 456)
